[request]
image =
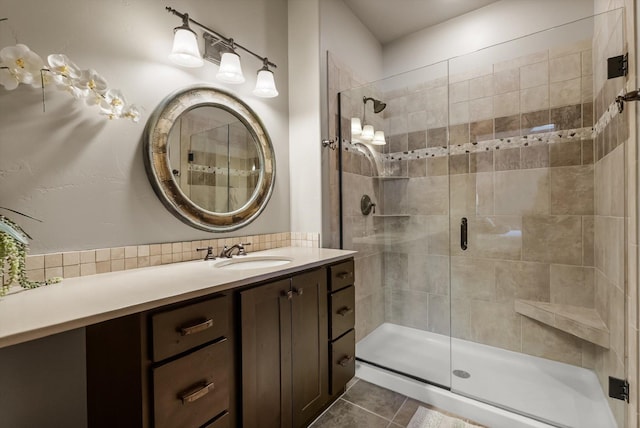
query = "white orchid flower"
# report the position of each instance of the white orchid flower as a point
(22, 66)
(132, 112)
(92, 85)
(113, 103)
(18, 64)
(92, 81)
(65, 74)
(61, 65)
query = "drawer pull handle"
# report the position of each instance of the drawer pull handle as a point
(185, 331)
(344, 275)
(346, 360)
(298, 291)
(190, 397)
(288, 294)
(345, 311)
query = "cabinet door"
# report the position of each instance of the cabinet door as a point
(266, 355)
(309, 347)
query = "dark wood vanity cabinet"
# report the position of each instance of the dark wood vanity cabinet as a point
(170, 368)
(298, 346)
(284, 351)
(184, 365)
(342, 342)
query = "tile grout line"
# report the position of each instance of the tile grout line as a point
(398, 411)
(367, 410)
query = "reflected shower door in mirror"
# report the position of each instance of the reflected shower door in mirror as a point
(214, 159)
(209, 159)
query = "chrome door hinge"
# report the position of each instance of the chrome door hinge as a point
(331, 143)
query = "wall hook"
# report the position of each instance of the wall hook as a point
(331, 143)
(629, 96)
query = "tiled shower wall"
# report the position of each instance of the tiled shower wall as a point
(529, 201)
(357, 178)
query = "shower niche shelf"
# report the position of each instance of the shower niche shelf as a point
(391, 215)
(584, 323)
(390, 177)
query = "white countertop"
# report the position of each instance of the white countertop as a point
(78, 302)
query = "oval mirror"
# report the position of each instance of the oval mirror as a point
(209, 159)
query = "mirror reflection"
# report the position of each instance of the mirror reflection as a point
(209, 159)
(214, 159)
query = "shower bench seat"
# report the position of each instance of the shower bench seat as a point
(584, 323)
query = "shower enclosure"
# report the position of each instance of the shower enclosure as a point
(216, 161)
(494, 262)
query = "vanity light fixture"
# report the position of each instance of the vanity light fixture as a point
(230, 70)
(221, 51)
(265, 83)
(367, 133)
(185, 50)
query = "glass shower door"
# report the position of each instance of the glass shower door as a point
(396, 214)
(537, 225)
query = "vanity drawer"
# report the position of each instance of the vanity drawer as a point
(342, 275)
(343, 361)
(181, 329)
(193, 389)
(342, 307)
(223, 421)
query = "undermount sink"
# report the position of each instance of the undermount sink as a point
(248, 262)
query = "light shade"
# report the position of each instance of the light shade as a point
(265, 84)
(185, 50)
(230, 70)
(367, 133)
(356, 127)
(378, 139)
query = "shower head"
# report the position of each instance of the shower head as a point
(378, 105)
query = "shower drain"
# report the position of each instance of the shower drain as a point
(462, 374)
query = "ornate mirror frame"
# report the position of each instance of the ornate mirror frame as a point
(158, 167)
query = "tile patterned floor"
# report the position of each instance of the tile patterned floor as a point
(365, 405)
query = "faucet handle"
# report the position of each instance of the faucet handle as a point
(209, 255)
(241, 250)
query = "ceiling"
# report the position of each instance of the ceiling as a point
(391, 19)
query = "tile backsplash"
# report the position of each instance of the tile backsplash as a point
(72, 264)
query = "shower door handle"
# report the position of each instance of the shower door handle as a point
(463, 233)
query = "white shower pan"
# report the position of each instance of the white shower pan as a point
(551, 392)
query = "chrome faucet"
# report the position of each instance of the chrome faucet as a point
(227, 252)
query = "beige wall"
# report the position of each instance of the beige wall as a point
(82, 174)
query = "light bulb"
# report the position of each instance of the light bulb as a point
(378, 139)
(356, 127)
(230, 70)
(185, 51)
(367, 133)
(265, 84)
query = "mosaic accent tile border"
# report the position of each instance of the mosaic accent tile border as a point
(609, 114)
(72, 264)
(530, 140)
(495, 144)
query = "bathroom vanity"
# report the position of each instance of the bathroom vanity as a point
(198, 344)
